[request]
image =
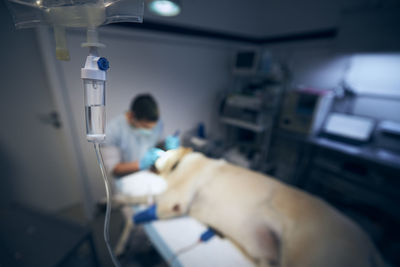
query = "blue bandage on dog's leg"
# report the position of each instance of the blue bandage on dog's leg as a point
(207, 235)
(147, 215)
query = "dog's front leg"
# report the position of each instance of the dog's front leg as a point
(121, 244)
(174, 202)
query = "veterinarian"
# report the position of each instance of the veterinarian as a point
(133, 136)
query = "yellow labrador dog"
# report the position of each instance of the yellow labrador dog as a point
(272, 223)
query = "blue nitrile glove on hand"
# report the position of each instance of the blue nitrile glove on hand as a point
(150, 158)
(172, 142)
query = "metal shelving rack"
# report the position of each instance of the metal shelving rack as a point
(252, 110)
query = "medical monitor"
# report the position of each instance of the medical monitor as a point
(246, 61)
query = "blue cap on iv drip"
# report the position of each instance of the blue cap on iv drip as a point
(103, 63)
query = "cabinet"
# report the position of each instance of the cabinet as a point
(368, 193)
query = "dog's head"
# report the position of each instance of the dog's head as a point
(170, 160)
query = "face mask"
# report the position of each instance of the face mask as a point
(143, 131)
(140, 130)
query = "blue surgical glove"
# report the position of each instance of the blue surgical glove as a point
(172, 142)
(150, 158)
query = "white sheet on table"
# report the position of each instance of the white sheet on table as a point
(182, 232)
(141, 183)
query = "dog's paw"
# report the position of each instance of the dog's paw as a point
(119, 250)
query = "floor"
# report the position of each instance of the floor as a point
(139, 250)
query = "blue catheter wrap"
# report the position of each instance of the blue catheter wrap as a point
(207, 235)
(150, 214)
(147, 215)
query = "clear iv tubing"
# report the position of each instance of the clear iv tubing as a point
(108, 209)
(183, 250)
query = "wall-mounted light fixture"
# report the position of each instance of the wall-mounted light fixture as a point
(166, 8)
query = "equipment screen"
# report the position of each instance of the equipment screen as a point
(245, 60)
(306, 104)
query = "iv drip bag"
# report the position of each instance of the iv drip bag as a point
(62, 14)
(74, 13)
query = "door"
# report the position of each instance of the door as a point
(37, 167)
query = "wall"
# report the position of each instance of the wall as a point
(183, 74)
(312, 63)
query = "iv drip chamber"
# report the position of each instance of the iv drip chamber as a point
(95, 111)
(94, 78)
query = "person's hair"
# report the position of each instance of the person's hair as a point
(144, 107)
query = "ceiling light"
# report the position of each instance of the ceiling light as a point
(166, 8)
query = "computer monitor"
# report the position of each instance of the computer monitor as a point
(246, 61)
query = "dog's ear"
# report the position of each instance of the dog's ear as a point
(153, 169)
(170, 159)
